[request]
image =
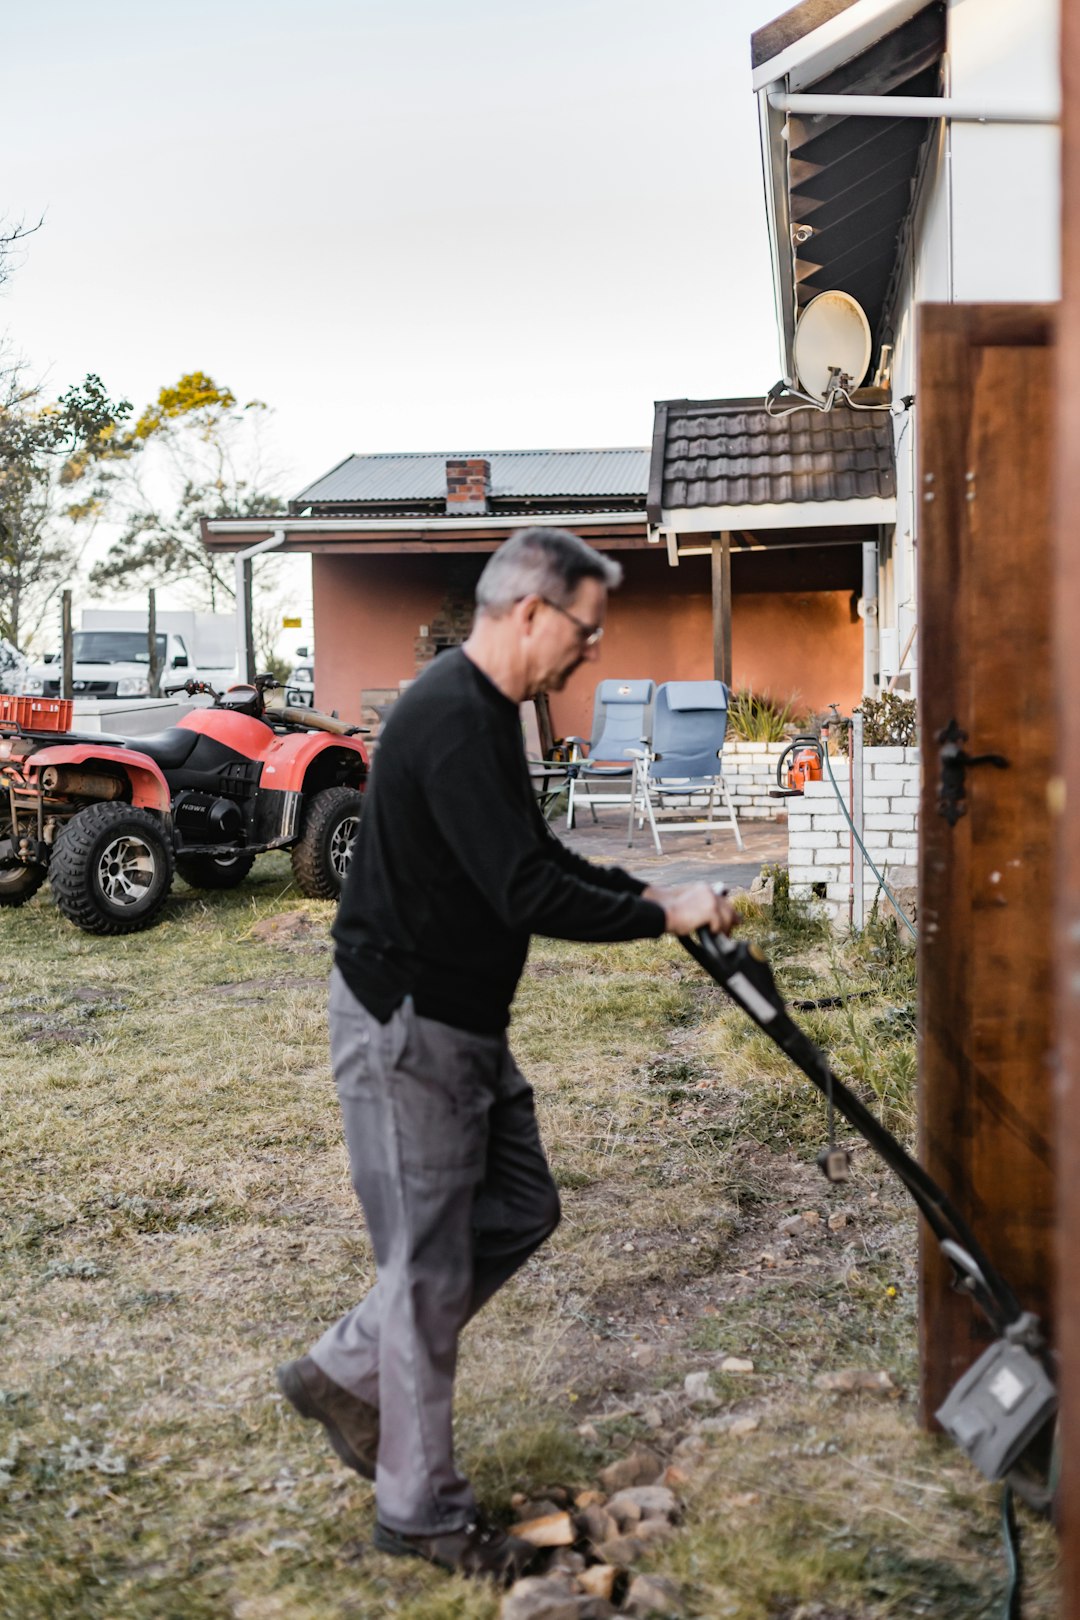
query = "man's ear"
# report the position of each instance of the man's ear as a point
(526, 609)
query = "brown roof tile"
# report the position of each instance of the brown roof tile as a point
(733, 453)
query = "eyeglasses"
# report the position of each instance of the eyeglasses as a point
(590, 633)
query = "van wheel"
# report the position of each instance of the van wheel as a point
(111, 869)
(18, 883)
(214, 871)
(321, 858)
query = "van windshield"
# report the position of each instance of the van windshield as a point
(115, 647)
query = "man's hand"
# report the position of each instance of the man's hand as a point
(693, 905)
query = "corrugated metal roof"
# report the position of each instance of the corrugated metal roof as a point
(733, 453)
(515, 474)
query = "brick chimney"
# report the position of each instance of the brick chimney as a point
(467, 487)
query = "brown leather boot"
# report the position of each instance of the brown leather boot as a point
(478, 1549)
(352, 1426)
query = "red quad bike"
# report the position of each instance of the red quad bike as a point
(109, 819)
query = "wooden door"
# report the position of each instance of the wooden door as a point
(984, 406)
(1066, 595)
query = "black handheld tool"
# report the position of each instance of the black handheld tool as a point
(1007, 1398)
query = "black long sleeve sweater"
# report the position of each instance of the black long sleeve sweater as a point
(454, 867)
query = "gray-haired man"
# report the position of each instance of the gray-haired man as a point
(454, 868)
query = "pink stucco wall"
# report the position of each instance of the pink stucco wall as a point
(368, 611)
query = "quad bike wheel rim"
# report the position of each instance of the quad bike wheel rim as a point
(126, 870)
(341, 844)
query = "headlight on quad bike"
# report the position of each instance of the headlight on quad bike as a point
(132, 686)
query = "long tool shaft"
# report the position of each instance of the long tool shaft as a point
(743, 972)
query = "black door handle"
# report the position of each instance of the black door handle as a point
(952, 802)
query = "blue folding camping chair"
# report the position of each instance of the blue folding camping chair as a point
(622, 722)
(679, 780)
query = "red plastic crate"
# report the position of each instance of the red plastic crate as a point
(35, 713)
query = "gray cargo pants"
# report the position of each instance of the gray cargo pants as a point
(447, 1163)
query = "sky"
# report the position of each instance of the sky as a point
(402, 224)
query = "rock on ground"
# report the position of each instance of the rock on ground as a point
(856, 1380)
(643, 1502)
(598, 1524)
(653, 1595)
(542, 1597)
(553, 1530)
(640, 1467)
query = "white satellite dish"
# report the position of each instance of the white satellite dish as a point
(832, 332)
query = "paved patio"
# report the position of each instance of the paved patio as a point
(686, 858)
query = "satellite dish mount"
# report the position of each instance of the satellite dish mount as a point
(831, 352)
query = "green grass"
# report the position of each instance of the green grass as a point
(178, 1218)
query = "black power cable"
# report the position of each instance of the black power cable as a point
(743, 972)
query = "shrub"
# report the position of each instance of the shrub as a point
(759, 717)
(888, 721)
(795, 922)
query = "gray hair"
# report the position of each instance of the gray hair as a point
(541, 562)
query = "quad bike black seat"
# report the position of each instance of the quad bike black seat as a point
(168, 749)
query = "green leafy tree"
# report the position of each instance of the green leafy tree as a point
(50, 454)
(194, 453)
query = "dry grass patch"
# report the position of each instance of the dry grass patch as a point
(178, 1219)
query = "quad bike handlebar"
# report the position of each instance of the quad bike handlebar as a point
(247, 698)
(192, 688)
(261, 683)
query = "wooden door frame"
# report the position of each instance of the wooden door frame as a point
(1067, 806)
(986, 1019)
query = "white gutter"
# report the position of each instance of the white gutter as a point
(968, 112)
(243, 606)
(283, 527)
(781, 515)
(777, 215)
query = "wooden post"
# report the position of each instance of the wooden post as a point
(67, 659)
(1065, 804)
(721, 608)
(244, 606)
(151, 635)
(543, 724)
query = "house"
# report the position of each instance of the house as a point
(789, 510)
(910, 156)
(912, 161)
(398, 541)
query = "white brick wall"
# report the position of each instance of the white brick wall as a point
(820, 842)
(750, 771)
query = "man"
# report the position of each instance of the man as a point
(453, 869)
